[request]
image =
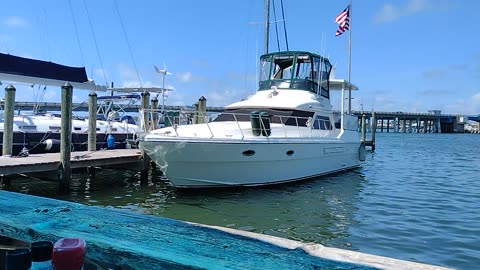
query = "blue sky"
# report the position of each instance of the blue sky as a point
(407, 55)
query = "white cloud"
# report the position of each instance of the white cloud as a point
(16, 21)
(184, 77)
(468, 106)
(390, 13)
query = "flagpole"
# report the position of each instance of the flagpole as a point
(350, 60)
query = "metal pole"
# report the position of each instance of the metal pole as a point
(163, 92)
(92, 121)
(8, 121)
(66, 137)
(350, 59)
(267, 24)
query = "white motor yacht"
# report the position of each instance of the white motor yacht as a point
(285, 132)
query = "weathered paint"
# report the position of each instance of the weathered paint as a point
(138, 241)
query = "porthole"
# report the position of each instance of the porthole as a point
(248, 153)
(290, 152)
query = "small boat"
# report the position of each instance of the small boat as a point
(285, 132)
(40, 132)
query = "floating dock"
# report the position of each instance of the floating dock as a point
(124, 240)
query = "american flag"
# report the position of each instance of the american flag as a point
(343, 20)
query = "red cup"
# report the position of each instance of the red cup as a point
(68, 254)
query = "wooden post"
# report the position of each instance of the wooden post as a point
(145, 107)
(154, 113)
(65, 138)
(196, 107)
(92, 121)
(374, 129)
(364, 129)
(202, 107)
(146, 125)
(8, 121)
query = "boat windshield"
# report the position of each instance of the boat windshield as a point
(295, 70)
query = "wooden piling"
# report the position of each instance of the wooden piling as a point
(202, 108)
(8, 121)
(196, 107)
(364, 129)
(65, 138)
(146, 124)
(154, 113)
(145, 107)
(374, 130)
(92, 121)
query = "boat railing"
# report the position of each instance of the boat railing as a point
(260, 124)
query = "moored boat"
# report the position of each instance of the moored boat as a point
(285, 132)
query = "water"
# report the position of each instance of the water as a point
(416, 198)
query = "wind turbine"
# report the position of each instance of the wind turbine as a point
(164, 72)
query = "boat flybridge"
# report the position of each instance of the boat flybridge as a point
(285, 132)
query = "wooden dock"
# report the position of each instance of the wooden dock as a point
(51, 161)
(120, 239)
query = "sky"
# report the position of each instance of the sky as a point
(407, 55)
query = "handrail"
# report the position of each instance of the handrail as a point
(241, 131)
(238, 118)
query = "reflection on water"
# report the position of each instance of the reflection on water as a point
(312, 211)
(415, 198)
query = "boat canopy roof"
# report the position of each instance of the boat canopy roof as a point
(26, 70)
(11, 64)
(298, 70)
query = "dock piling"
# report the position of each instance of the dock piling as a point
(8, 121)
(145, 106)
(146, 125)
(154, 113)
(364, 129)
(202, 108)
(92, 121)
(374, 130)
(65, 138)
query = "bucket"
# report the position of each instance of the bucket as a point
(69, 254)
(255, 121)
(265, 124)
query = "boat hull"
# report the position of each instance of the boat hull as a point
(49, 142)
(215, 163)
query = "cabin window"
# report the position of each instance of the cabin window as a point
(322, 122)
(283, 70)
(304, 68)
(265, 64)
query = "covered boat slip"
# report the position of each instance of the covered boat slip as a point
(126, 240)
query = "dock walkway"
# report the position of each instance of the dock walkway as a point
(51, 161)
(127, 240)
